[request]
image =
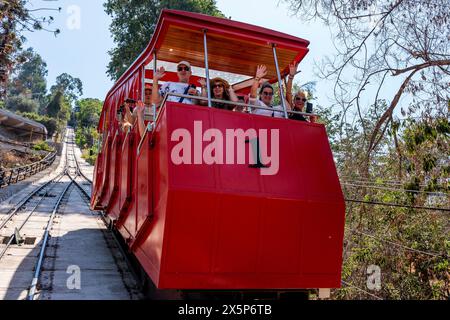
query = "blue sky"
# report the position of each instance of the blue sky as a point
(82, 52)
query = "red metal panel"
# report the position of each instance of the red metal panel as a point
(104, 186)
(114, 178)
(150, 252)
(126, 176)
(270, 232)
(128, 205)
(96, 181)
(144, 181)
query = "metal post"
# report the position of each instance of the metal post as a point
(208, 85)
(155, 66)
(143, 83)
(280, 83)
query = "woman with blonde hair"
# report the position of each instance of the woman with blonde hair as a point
(221, 90)
(297, 101)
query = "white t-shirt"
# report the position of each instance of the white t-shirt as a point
(175, 87)
(277, 113)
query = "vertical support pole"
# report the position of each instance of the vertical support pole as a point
(143, 83)
(208, 84)
(280, 82)
(155, 66)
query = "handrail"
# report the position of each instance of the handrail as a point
(240, 104)
(13, 175)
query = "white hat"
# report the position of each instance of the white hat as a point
(185, 63)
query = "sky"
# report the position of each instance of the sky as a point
(81, 49)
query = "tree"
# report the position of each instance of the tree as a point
(15, 18)
(133, 23)
(30, 76)
(21, 104)
(88, 112)
(69, 86)
(405, 40)
(59, 107)
(408, 242)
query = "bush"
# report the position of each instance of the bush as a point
(21, 104)
(50, 123)
(42, 146)
(90, 155)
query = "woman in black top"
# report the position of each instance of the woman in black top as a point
(221, 90)
(297, 102)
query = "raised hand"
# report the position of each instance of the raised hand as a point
(202, 82)
(293, 69)
(261, 72)
(160, 73)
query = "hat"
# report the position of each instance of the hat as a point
(223, 81)
(148, 86)
(185, 63)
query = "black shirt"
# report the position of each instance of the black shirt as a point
(298, 117)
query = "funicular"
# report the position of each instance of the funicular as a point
(227, 225)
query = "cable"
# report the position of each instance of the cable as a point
(397, 205)
(362, 290)
(437, 193)
(392, 182)
(432, 254)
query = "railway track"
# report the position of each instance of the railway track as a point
(53, 247)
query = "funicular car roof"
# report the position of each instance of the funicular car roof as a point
(233, 46)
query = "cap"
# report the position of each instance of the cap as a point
(185, 63)
(148, 86)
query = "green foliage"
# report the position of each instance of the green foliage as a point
(87, 115)
(42, 146)
(88, 112)
(21, 104)
(70, 87)
(15, 18)
(59, 107)
(391, 234)
(50, 123)
(134, 21)
(30, 76)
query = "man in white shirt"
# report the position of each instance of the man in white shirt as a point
(184, 73)
(265, 96)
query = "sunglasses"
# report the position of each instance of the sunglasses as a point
(300, 99)
(217, 86)
(183, 69)
(268, 94)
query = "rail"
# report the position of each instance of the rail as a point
(237, 104)
(14, 175)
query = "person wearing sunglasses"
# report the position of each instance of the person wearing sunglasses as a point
(298, 101)
(266, 93)
(184, 73)
(221, 90)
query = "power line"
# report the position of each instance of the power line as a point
(386, 182)
(436, 193)
(359, 289)
(398, 205)
(432, 254)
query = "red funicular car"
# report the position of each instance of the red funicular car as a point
(271, 219)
